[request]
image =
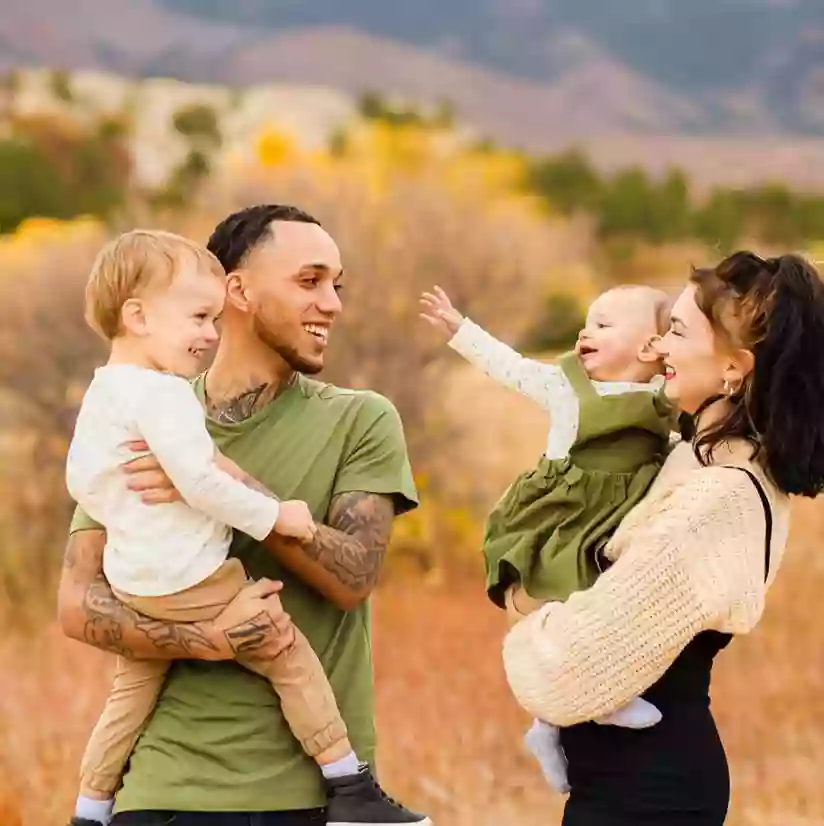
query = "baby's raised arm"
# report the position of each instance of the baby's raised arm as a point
(545, 384)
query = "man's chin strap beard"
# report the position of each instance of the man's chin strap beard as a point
(288, 355)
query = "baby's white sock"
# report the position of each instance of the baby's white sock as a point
(638, 713)
(348, 764)
(90, 809)
(543, 741)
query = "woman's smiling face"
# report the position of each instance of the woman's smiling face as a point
(696, 362)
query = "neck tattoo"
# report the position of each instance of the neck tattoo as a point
(241, 407)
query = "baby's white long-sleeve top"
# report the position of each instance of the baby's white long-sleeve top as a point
(155, 550)
(545, 384)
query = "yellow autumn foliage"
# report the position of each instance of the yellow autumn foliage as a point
(275, 148)
(35, 234)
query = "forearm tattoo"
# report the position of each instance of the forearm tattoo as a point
(353, 544)
(109, 622)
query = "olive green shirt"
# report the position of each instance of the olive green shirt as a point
(217, 740)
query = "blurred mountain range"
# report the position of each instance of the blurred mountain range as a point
(534, 72)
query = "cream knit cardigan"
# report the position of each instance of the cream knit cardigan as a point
(688, 558)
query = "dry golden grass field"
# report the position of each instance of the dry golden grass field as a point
(449, 733)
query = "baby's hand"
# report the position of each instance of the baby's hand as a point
(439, 312)
(296, 521)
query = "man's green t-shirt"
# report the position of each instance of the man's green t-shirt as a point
(217, 740)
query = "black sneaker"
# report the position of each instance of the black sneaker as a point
(358, 800)
(83, 821)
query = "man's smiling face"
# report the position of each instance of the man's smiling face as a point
(291, 283)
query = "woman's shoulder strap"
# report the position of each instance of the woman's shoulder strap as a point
(767, 515)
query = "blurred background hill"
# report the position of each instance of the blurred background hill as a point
(540, 73)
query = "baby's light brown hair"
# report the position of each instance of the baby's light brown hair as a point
(660, 302)
(131, 263)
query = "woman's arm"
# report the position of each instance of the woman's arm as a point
(696, 564)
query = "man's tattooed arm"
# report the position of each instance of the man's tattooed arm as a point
(344, 559)
(352, 546)
(110, 625)
(90, 612)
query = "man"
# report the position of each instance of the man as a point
(217, 751)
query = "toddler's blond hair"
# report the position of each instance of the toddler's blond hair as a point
(129, 264)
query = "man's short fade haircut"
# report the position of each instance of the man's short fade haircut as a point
(239, 233)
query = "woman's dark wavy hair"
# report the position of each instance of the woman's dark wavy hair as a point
(773, 307)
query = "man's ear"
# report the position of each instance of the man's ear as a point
(237, 291)
(648, 352)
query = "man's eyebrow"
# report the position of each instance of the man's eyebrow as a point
(319, 268)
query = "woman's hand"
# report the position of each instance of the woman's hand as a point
(439, 312)
(148, 478)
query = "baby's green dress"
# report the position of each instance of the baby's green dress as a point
(548, 528)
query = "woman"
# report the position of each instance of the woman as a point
(692, 563)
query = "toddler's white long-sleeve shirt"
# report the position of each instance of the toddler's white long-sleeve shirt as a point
(155, 550)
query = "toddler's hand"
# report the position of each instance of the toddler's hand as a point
(439, 312)
(295, 520)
